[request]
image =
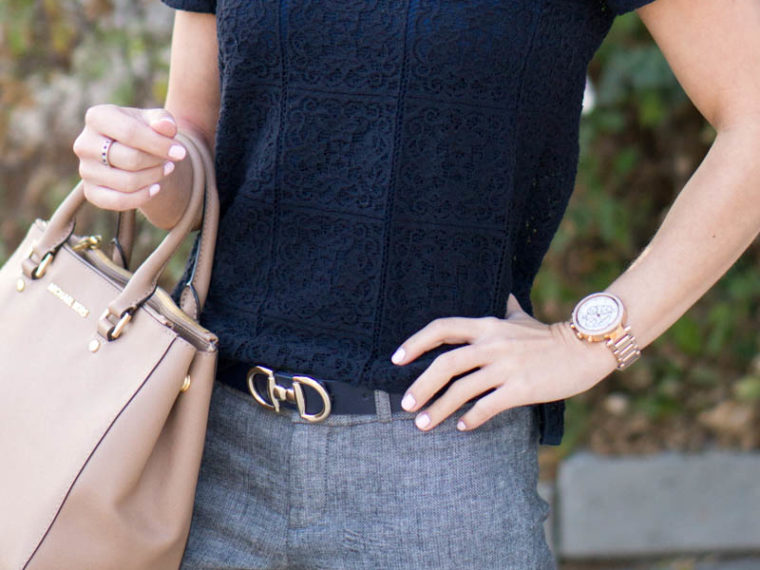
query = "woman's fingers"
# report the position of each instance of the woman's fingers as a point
(490, 405)
(89, 145)
(124, 181)
(142, 153)
(161, 121)
(443, 368)
(127, 158)
(444, 330)
(132, 128)
(461, 391)
(109, 199)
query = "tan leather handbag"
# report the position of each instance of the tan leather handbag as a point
(105, 387)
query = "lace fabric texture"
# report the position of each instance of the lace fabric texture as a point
(387, 162)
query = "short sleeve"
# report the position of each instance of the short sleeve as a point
(206, 6)
(623, 6)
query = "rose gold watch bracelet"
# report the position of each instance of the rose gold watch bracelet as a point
(625, 349)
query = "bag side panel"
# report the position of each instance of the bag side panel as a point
(57, 397)
(131, 507)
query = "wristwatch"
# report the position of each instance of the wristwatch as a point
(602, 317)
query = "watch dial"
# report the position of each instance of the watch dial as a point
(599, 314)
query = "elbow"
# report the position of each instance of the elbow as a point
(733, 118)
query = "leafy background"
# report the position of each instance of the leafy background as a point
(697, 386)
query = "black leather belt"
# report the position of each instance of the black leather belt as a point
(280, 388)
(314, 398)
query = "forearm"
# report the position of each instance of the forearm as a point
(193, 99)
(713, 220)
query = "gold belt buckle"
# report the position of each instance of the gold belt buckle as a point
(294, 395)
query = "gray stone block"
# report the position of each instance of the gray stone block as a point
(743, 564)
(663, 504)
(687, 563)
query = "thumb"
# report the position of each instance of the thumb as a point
(161, 121)
(513, 305)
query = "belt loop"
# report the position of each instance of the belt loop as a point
(383, 405)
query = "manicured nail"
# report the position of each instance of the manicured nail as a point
(162, 119)
(168, 168)
(153, 190)
(178, 152)
(398, 356)
(408, 402)
(422, 421)
(461, 426)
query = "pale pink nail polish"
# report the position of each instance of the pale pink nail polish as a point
(398, 356)
(422, 421)
(153, 190)
(461, 426)
(177, 152)
(168, 168)
(408, 402)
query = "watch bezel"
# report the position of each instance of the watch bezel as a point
(597, 335)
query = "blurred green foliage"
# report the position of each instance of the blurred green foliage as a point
(639, 147)
(57, 58)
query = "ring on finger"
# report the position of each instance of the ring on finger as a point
(104, 151)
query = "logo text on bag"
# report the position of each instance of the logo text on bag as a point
(75, 306)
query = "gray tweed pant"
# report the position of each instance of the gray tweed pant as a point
(366, 492)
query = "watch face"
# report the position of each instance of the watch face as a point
(599, 313)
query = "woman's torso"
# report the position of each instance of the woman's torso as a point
(384, 163)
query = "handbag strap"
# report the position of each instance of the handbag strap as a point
(124, 238)
(195, 290)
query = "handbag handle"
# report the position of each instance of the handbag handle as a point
(143, 282)
(195, 290)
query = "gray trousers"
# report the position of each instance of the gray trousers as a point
(366, 491)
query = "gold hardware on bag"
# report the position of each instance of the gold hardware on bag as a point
(118, 328)
(94, 345)
(40, 270)
(186, 384)
(20, 285)
(88, 242)
(116, 331)
(294, 395)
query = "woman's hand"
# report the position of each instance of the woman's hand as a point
(142, 154)
(523, 360)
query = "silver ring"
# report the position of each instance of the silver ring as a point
(104, 152)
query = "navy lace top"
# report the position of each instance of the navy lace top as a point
(382, 163)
